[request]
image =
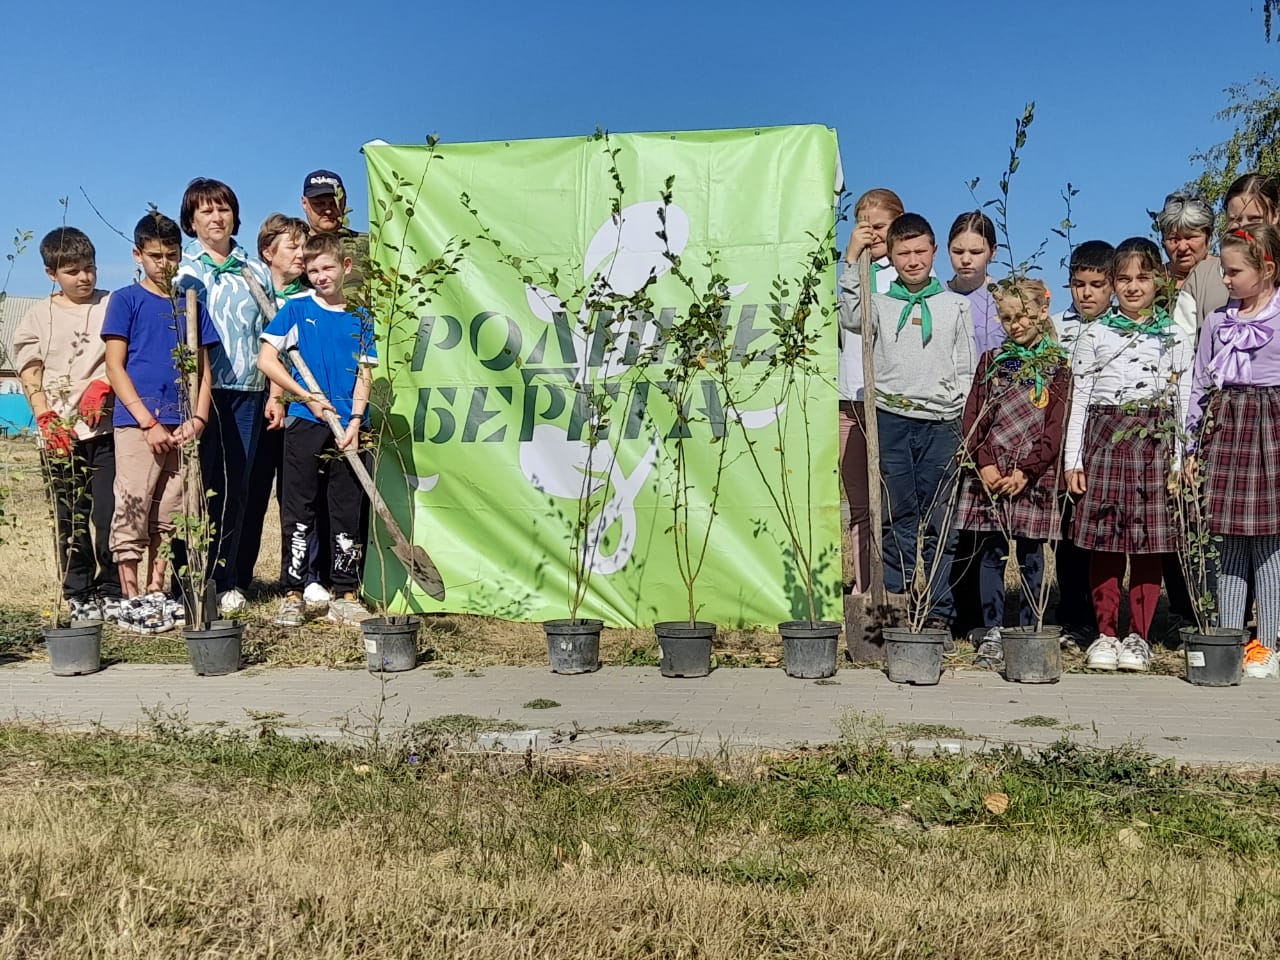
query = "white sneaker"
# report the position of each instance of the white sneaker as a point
(347, 609)
(1103, 654)
(230, 601)
(1135, 654)
(316, 594)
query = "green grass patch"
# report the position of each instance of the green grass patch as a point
(1036, 720)
(926, 731)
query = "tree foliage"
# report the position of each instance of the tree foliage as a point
(1253, 110)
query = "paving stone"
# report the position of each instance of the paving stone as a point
(730, 709)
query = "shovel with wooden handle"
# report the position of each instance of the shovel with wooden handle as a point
(416, 561)
(869, 612)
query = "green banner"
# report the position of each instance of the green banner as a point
(610, 369)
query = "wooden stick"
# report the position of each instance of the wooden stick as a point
(193, 499)
(870, 423)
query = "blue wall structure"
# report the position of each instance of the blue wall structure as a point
(15, 413)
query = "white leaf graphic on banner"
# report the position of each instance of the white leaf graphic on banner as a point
(544, 304)
(634, 244)
(755, 419)
(423, 483)
(621, 509)
(559, 466)
(620, 257)
(566, 468)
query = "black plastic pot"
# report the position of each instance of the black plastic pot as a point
(1031, 655)
(914, 657)
(684, 647)
(1215, 655)
(809, 648)
(75, 650)
(573, 646)
(215, 651)
(391, 643)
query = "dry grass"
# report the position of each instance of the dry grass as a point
(182, 849)
(27, 577)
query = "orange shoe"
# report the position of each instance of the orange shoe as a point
(1260, 662)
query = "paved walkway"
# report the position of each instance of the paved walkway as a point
(732, 708)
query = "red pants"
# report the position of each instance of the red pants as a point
(1106, 570)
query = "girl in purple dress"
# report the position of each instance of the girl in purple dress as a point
(1234, 421)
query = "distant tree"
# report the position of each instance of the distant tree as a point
(1253, 110)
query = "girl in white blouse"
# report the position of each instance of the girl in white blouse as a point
(1130, 382)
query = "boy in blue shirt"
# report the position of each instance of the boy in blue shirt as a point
(141, 329)
(338, 347)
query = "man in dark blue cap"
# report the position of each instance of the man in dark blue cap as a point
(324, 203)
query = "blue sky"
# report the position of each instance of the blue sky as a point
(129, 107)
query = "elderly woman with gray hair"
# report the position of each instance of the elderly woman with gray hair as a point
(1186, 228)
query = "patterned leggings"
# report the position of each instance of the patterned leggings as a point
(1242, 556)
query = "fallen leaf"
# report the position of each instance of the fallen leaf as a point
(1129, 839)
(996, 803)
(447, 858)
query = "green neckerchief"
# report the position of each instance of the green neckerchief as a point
(1157, 324)
(1031, 360)
(229, 265)
(900, 292)
(290, 288)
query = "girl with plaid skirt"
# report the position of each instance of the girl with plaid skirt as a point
(1013, 424)
(1130, 380)
(1234, 422)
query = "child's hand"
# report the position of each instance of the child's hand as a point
(318, 406)
(860, 240)
(92, 401)
(990, 477)
(1075, 482)
(274, 414)
(351, 440)
(188, 430)
(159, 439)
(57, 438)
(1014, 483)
(1190, 469)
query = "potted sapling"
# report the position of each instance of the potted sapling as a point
(1015, 418)
(389, 298)
(694, 348)
(781, 454)
(602, 302)
(73, 636)
(61, 360)
(1213, 654)
(214, 645)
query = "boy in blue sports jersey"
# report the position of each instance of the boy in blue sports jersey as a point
(338, 347)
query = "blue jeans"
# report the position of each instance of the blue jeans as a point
(227, 449)
(918, 468)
